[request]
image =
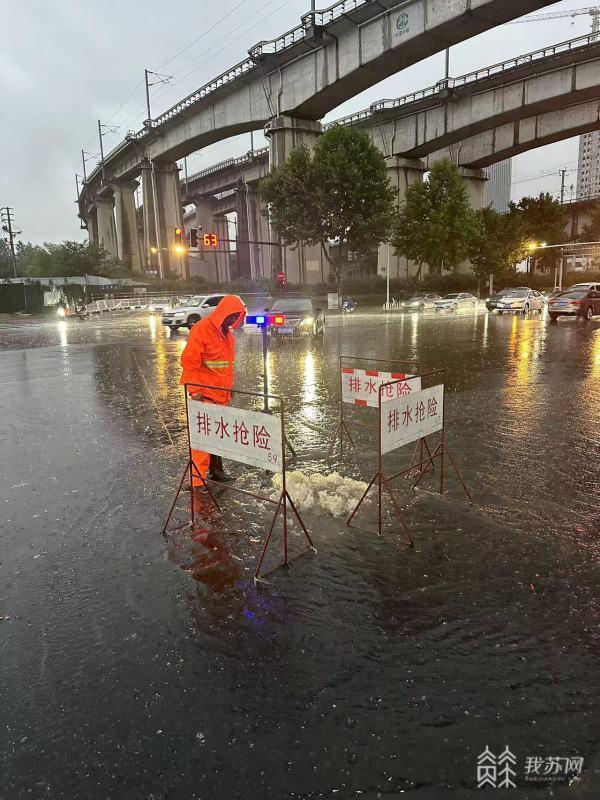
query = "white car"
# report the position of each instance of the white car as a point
(159, 304)
(580, 287)
(455, 301)
(197, 308)
(520, 300)
(420, 301)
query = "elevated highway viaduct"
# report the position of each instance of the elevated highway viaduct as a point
(476, 120)
(292, 81)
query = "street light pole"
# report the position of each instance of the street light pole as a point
(387, 278)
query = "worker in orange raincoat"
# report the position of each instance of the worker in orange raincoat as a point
(208, 360)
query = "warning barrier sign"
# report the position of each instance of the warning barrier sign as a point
(250, 437)
(360, 387)
(412, 417)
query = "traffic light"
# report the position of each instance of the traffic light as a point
(179, 240)
(193, 237)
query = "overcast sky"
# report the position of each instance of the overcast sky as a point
(65, 64)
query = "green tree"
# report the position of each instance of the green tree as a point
(542, 220)
(6, 265)
(67, 259)
(436, 224)
(498, 243)
(340, 196)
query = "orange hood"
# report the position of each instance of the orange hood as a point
(230, 304)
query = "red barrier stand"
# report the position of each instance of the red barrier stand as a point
(252, 437)
(359, 387)
(403, 419)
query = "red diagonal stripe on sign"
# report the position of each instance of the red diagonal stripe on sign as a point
(360, 402)
(348, 371)
(398, 376)
(372, 373)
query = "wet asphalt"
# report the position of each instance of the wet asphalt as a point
(137, 665)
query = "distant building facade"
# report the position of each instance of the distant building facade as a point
(588, 168)
(498, 187)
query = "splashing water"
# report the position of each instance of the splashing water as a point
(333, 493)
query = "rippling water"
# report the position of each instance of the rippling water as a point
(140, 666)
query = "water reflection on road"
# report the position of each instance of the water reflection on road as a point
(141, 666)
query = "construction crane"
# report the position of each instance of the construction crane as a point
(591, 11)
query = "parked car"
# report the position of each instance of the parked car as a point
(591, 285)
(197, 308)
(520, 300)
(302, 317)
(492, 302)
(421, 301)
(455, 301)
(575, 303)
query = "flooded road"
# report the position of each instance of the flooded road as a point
(140, 666)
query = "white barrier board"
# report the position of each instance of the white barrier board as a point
(360, 387)
(407, 419)
(250, 437)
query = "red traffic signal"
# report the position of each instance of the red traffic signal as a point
(179, 234)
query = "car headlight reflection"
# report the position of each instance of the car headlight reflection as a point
(307, 322)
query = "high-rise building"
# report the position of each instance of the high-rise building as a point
(497, 188)
(588, 168)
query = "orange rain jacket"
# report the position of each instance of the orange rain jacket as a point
(209, 355)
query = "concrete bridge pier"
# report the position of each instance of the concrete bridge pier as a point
(475, 180)
(107, 234)
(149, 239)
(221, 228)
(206, 261)
(91, 221)
(170, 217)
(262, 256)
(284, 134)
(402, 172)
(128, 242)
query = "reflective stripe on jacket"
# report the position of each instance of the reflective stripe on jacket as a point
(209, 355)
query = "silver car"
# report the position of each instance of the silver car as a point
(420, 301)
(520, 301)
(455, 301)
(195, 309)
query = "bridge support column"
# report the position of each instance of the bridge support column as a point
(402, 172)
(475, 180)
(107, 235)
(170, 216)
(286, 133)
(149, 241)
(206, 261)
(221, 228)
(91, 220)
(128, 242)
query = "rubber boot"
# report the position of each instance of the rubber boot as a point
(216, 471)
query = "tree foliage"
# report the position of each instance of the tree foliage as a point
(436, 224)
(340, 195)
(498, 242)
(542, 220)
(66, 259)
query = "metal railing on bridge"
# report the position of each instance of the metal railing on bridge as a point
(248, 158)
(470, 79)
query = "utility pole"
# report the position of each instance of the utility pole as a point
(563, 172)
(7, 225)
(83, 162)
(161, 79)
(148, 117)
(101, 150)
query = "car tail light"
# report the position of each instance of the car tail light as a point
(576, 302)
